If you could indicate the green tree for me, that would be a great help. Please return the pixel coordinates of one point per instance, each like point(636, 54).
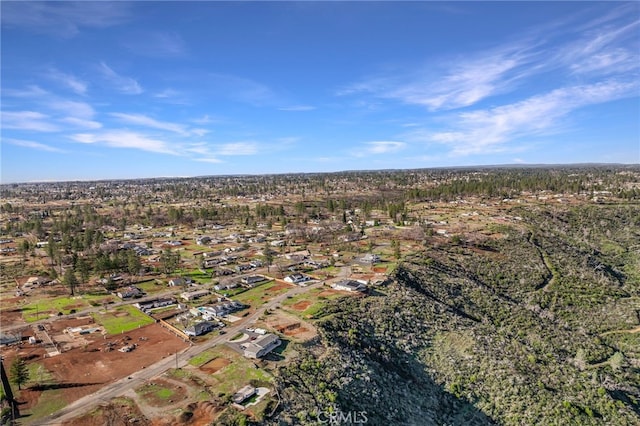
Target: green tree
point(395, 245)
point(133, 263)
point(19, 372)
point(169, 261)
point(70, 280)
point(83, 269)
point(268, 256)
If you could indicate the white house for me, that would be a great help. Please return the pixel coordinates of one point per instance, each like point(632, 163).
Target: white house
point(350, 285)
point(297, 278)
point(192, 295)
point(261, 346)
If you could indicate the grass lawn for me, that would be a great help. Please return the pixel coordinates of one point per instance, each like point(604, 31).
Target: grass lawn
point(41, 308)
point(198, 276)
point(122, 319)
point(49, 402)
point(261, 294)
point(315, 303)
point(155, 390)
point(202, 358)
point(238, 373)
point(152, 286)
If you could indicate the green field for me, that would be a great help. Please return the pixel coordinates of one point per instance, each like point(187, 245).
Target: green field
point(316, 302)
point(122, 319)
point(238, 373)
point(155, 390)
point(202, 358)
point(261, 294)
point(41, 308)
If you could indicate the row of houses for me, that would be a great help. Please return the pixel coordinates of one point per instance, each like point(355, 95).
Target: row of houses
point(150, 305)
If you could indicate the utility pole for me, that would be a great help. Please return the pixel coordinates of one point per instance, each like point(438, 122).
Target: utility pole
point(176, 360)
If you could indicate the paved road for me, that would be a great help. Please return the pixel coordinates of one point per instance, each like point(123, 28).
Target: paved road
point(84, 405)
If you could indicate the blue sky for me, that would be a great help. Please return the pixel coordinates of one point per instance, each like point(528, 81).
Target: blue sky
point(103, 90)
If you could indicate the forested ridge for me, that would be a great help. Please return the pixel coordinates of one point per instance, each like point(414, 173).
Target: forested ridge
point(534, 325)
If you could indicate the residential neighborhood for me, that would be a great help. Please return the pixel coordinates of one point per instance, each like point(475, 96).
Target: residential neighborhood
point(229, 288)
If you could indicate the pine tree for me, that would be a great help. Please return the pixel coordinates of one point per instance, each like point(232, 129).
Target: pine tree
point(70, 280)
point(19, 372)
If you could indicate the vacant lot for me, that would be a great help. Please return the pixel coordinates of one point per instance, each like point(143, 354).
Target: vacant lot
point(309, 304)
point(259, 295)
point(122, 319)
point(62, 379)
point(289, 324)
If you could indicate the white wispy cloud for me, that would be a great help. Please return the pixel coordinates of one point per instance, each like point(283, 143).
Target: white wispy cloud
point(31, 91)
point(33, 145)
point(200, 132)
point(125, 139)
point(143, 120)
point(605, 47)
point(82, 123)
point(166, 93)
point(242, 89)
point(237, 148)
point(28, 120)
point(63, 19)
point(69, 81)
point(495, 129)
point(123, 84)
point(296, 108)
point(460, 83)
point(208, 160)
point(157, 44)
point(378, 147)
point(201, 151)
point(71, 108)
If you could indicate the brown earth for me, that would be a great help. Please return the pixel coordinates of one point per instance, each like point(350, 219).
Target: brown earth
point(215, 365)
point(83, 370)
point(290, 325)
point(278, 287)
point(147, 392)
point(326, 293)
point(301, 305)
point(120, 412)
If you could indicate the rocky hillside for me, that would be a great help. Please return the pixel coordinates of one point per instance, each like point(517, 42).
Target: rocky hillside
point(534, 323)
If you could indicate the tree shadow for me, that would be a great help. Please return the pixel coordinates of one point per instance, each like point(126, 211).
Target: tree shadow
point(52, 386)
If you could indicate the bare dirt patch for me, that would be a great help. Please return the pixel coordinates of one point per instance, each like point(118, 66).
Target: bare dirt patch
point(301, 305)
point(159, 393)
point(279, 286)
point(328, 293)
point(84, 370)
point(119, 412)
point(215, 365)
point(290, 325)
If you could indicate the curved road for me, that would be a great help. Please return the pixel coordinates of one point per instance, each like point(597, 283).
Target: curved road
point(85, 404)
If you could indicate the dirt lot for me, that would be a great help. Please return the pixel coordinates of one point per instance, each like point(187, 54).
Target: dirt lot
point(215, 365)
point(301, 305)
point(290, 325)
point(85, 369)
point(11, 313)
